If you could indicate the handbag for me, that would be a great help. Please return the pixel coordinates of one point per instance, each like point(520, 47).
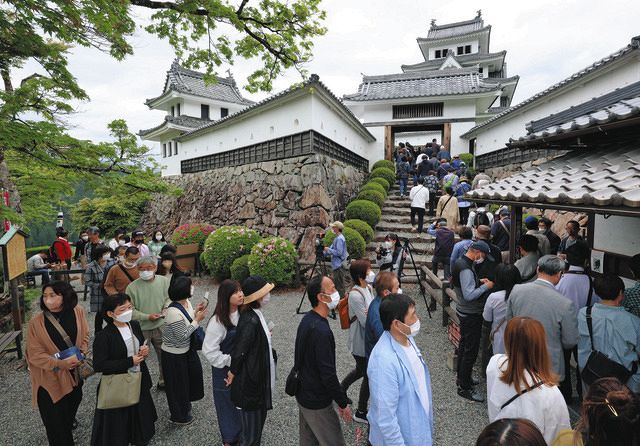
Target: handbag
point(292, 384)
point(600, 365)
point(85, 368)
point(197, 337)
point(120, 390)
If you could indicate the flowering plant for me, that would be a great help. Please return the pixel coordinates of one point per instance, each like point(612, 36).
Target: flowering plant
point(225, 245)
point(191, 233)
point(274, 259)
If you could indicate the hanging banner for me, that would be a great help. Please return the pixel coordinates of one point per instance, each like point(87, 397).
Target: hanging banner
point(5, 197)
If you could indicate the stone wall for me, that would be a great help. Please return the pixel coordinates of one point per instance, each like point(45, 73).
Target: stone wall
point(293, 198)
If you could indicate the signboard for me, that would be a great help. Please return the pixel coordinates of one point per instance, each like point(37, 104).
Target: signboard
point(14, 253)
point(186, 257)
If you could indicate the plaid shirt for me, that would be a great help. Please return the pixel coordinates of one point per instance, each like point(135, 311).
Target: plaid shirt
point(93, 278)
point(632, 300)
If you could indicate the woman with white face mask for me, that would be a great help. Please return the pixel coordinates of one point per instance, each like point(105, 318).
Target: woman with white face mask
point(93, 278)
point(117, 349)
point(156, 243)
point(389, 256)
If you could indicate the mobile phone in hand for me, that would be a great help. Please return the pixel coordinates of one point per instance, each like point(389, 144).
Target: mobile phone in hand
point(206, 300)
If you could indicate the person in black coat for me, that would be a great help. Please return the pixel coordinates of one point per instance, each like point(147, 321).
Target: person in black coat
point(168, 267)
point(115, 352)
point(253, 361)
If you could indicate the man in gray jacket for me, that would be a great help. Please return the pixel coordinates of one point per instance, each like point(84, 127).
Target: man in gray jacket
point(539, 300)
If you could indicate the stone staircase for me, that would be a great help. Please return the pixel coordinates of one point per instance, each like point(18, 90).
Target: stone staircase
point(396, 218)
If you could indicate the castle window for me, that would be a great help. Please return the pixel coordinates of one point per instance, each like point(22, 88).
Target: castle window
point(178, 109)
point(204, 111)
point(173, 111)
point(175, 147)
point(164, 150)
point(460, 50)
point(430, 110)
point(467, 49)
point(438, 54)
point(224, 112)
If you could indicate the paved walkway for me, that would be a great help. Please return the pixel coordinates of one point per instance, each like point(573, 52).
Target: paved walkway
point(457, 421)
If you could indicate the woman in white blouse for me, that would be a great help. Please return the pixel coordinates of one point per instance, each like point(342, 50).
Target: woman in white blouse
point(218, 343)
point(521, 383)
point(495, 308)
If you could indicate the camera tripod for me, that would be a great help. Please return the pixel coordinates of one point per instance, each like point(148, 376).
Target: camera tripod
point(318, 264)
point(406, 247)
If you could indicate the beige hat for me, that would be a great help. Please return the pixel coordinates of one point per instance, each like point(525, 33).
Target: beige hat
point(483, 232)
point(254, 288)
point(337, 224)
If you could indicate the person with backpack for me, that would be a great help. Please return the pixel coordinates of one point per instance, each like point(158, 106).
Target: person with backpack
point(463, 204)
point(445, 239)
point(451, 179)
point(360, 297)
point(60, 250)
point(448, 208)
point(122, 274)
point(480, 217)
point(403, 168)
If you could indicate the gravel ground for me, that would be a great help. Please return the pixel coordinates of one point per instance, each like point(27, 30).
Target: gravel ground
point(457, 421)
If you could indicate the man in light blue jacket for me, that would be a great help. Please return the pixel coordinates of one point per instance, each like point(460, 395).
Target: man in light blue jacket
point(400, 411)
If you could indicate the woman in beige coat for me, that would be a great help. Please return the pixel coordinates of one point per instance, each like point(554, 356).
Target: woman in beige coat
point(448, 208)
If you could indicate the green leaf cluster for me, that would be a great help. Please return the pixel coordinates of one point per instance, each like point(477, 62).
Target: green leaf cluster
point(274, 259)
point(226, 244)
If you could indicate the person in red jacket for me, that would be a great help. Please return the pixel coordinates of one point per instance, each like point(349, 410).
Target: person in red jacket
point(62, 247)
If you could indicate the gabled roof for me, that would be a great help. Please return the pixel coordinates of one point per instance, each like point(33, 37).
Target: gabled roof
point(312, 85)
point(607, 181)
point(191, 82)
point(445, 82)
point(455, 29)
point(465, 60)
point(600, 64)
point(178, 121)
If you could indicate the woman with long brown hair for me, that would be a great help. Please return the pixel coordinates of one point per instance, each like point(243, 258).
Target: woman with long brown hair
point(521, 384)
point(610, 417)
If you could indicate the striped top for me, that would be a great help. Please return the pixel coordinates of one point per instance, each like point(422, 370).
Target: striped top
point(176, 337)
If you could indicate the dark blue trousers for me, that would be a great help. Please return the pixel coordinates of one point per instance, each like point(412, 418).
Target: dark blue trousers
point(229, 416)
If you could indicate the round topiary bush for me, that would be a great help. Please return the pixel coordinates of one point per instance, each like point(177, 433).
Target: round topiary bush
point(356, 246)
point(374, 186)
point(225, 245)
point(373, 196)
point(274, 259)
point(382, 182)
point(383, 172)
point(362, 227)
point(384, 163)
point(467, 158)
point(240, 268)
point(364, 210)
point(191, 233)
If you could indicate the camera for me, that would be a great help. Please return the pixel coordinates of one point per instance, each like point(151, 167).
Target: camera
point(382, 251)
point(319, 244)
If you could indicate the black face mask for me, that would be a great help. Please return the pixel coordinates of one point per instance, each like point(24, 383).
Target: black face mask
point(138, 242)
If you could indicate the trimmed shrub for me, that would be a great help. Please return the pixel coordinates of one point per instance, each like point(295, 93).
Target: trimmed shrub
point(362, 227)
point(373, 196)
point(384, 163)
point(191, 233)
point(467, 158)
point(364, 210)
point(225, 245)
point(240, 268)
point(374, 186)
point(356, 246)
point(383, 172)
point(382, 182)
point(274, 259)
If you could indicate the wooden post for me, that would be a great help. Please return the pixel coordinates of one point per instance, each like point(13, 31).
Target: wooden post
point(388, 142)
point(16, 313)
point(446, 303)
point(446, 136)
point(515, 232)
point(591, 227)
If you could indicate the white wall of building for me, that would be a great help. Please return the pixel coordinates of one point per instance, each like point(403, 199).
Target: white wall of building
point(614, 234)
point(303, 113)
point(513, 125)
point(453, 47)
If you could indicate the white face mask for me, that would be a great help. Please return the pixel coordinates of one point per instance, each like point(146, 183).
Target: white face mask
point(388, 245)
point(128, 264)
point(193, 289)
point(335, 298)
point(85, 238)
point(266, 299)
point(158, 237)
point(414, 328)
point(121, 259)
point(146, 275)
point(371, 277)
point(124, 317)
point(106, 257)
point(479, 261)
point(399, 291)
point(121, 243)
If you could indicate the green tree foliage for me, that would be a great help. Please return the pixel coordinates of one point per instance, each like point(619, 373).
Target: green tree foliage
point(40, 162)
point(275, 260)
point(240, 268)
point(356, 246)
point(226, 244)
point(467, 158)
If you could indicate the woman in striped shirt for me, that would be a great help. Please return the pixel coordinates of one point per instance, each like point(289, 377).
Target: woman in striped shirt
point(180, 362)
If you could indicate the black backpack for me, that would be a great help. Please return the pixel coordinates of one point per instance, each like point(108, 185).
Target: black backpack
point(481, 218)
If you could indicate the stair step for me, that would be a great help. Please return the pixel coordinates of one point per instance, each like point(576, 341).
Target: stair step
point(393, 226)
point(420, 259)
point(418, 248)
point(389, 210)
point(397, 197)
point(404, 233)
point(405, 204)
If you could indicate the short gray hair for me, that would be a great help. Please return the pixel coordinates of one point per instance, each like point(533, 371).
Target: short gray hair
point(550, 265)
point(147, 260)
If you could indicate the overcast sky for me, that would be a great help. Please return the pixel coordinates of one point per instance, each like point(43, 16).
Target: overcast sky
point(546, 41)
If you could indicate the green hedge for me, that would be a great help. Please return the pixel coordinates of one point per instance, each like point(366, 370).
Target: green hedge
point(467, 158)
point(356, 245)
point(384, 163)
point(382, 182)
point(373, 196)
point(240, 268)
point(274, 259)
point(364, 210)
point(382, 172)
point(225, 245)
point(374, 186)
point(362, 227)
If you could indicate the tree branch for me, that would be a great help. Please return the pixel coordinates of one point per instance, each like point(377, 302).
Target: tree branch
point(166, 5)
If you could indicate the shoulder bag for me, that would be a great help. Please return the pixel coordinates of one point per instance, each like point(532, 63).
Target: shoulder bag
point(600, 366)
point(197, 337)
point(85, 368)
point(292, 385)
point(517, 395)
point(122, 389)
point(126, 273)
